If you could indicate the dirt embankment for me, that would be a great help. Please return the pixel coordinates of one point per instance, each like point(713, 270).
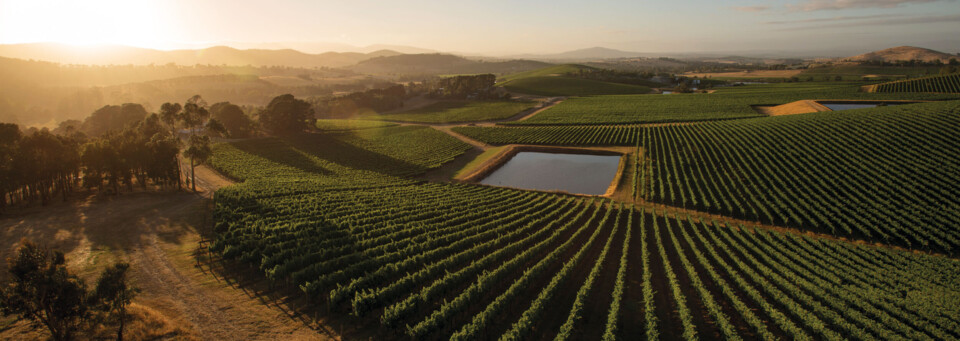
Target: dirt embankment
point(158, 234)
point(792, 108)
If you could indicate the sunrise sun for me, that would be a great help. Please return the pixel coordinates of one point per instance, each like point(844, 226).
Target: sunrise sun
point(96, 22)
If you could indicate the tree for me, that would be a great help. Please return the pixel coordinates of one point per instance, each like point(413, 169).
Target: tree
point(286, 115)
point(43, 291)
point(198, 152)
point(169, 113)
point(215, 128)
point(112, 118)
point(237, 124)
point(194, 113)
point(112, 294)
point(9, 138)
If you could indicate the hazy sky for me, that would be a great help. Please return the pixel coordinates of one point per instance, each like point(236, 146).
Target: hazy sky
point(493, 26)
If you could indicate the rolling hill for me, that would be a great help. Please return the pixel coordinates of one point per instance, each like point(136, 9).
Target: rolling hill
point(559, 80)
point(437, 64)
point(903, 53)
point(587, 54)
point(218, 55)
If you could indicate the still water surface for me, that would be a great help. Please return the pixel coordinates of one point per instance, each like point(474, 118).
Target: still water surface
point(846, 106)
point(573, 173)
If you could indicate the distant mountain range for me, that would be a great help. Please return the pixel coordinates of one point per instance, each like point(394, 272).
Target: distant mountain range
point(219, 55)
point(903, 53)
point(320, 47)
point(586, 54)
point(375, 59)
point(413, 64)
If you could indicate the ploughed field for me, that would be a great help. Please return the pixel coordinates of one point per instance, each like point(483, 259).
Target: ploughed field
point(341, 216)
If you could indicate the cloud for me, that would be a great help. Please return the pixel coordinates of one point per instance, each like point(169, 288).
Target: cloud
point(882, 22)
point(833, 19)
point(759, 8)
point(820, 5)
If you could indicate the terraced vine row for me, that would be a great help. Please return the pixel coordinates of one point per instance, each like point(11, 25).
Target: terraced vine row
point(887, 174)
point(941, 83)
point(435, 261)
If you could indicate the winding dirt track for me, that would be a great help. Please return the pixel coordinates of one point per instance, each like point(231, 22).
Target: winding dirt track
point(158, 234)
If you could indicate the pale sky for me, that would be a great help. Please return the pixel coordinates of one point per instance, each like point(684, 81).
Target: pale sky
point(493, 27)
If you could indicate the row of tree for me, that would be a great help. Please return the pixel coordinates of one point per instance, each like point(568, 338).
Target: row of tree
point(460, 87)
point(377, 100)
point(121, 145)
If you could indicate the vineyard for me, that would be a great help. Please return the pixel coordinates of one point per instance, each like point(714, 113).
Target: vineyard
point(562, 80)
point(887, 174)
point(361, 159)
point(344, 124)
point(407, 259)
point(570, 86)
point(459, 111)
point(940, 84)
point(339, 217)
point(725, 103)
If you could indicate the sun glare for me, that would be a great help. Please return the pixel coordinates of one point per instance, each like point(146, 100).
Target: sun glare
point(97, 22)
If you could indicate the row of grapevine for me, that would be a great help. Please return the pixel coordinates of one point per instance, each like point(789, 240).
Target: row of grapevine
point(940, 83)
point(888, 174)
point(727, 103)
point(438, 261)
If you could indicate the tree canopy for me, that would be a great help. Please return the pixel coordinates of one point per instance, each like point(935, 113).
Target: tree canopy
point(231, 116)
point(286, 115)
point(112, 118)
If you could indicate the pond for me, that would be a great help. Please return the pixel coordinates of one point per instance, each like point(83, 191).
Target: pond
point(847, 106)
point(665, 92)
point(572, 173)
point(837, 106)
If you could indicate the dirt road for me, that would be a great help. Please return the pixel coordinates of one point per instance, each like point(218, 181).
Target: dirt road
point(158, 234)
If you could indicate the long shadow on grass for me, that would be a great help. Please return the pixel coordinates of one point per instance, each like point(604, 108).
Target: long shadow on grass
point(281, 155)
point(327, 147)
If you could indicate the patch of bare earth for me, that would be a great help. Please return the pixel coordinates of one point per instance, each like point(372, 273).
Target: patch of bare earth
point(158, 233)
point(792, 108)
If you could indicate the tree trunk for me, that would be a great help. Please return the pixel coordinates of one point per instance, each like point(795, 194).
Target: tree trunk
point(63, 188)
point(179, 176)
point(120, 328)
point(193, 175)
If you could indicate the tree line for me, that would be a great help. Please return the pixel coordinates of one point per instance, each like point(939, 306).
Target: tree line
point(391, 96)
point(119, 147)
point(378, 100)
point(113, 149)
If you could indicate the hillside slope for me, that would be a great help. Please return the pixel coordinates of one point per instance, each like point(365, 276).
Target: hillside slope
point(218, 55)
point(436, 64)
point(940, 84)
point(903, 53)
point(562, 80)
